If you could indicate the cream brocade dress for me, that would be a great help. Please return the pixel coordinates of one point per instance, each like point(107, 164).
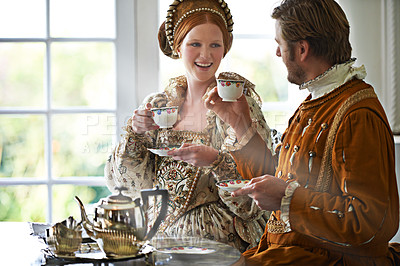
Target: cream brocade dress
point(197, 207)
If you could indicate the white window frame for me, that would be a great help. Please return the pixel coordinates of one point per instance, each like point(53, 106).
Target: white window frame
point(132, 24)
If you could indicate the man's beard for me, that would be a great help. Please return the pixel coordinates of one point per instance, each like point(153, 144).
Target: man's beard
point(296, 74)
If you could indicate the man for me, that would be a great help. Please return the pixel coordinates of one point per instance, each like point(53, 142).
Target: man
point(331, 184)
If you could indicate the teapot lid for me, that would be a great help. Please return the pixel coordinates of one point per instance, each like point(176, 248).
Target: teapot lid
point(119, 199)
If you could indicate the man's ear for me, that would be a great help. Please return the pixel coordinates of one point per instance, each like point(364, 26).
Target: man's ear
point(304, 49)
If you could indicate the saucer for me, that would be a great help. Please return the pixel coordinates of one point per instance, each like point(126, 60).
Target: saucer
point(162, 151)
point(232, 185)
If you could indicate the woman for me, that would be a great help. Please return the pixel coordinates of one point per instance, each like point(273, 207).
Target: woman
point(199, 33)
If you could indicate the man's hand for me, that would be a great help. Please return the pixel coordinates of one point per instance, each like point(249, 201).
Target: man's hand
point(267, 192)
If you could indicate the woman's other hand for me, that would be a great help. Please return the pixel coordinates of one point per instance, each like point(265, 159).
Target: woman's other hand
point(236, 114)
point(195, 154)
point(142, 120)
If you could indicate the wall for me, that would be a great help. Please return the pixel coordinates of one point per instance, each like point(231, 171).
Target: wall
point(396, 238)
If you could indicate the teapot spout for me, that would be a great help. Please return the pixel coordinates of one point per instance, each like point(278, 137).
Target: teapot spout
point(85, 221)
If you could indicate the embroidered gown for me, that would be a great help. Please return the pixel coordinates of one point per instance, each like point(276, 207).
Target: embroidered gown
point(196, 205)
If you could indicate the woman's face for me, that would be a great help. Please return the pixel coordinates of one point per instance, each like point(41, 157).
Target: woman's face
point(202, 51)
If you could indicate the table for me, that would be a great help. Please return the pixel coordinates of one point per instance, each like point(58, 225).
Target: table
point(19, 247)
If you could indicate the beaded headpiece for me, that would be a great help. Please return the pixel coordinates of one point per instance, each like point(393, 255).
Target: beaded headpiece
point(181, 9)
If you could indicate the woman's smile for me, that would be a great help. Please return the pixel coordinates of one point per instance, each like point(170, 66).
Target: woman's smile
point(203, 65)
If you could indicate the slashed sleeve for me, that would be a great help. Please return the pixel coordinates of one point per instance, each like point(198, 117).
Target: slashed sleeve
point(362, 205)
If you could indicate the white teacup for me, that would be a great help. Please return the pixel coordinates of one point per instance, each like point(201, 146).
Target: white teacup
point(230, 90)
point(165, 117)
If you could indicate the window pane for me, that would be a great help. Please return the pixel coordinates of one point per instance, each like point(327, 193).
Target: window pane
point(277, 119)
point(169, 68)
point(21, 74)
point(261, 66)
point(81, 143)
point(23, 18)
point(83, 75)
point(82, 18)
point(23, 203)
point(22, 146)
point(252, 17)
point(64, 204)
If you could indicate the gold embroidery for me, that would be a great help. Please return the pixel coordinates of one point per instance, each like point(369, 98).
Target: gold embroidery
point(180, 211)
point(276, 227)
point(325, 173)
point(175, 137)
point(178, 177)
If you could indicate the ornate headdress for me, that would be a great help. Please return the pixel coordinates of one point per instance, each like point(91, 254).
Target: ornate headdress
point(181, 9)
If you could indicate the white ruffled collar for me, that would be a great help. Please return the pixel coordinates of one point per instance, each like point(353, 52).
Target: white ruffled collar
point(333, 78)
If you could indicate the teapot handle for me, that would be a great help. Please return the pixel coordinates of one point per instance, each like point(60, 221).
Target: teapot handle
point(164, 207)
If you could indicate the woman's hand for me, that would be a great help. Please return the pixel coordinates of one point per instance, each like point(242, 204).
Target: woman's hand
point(142, 120)
point(267, 191)
point(195, 154)
point(236, 114)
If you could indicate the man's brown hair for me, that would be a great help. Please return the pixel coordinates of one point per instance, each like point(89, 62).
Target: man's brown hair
point(322, 23)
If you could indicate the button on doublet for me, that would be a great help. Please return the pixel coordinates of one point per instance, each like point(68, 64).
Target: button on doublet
point(305, 128)
point(312, 154)
point(295, 150)
point(324, 126)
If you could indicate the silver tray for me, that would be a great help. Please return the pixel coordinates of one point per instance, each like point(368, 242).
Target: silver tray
point(90, 252)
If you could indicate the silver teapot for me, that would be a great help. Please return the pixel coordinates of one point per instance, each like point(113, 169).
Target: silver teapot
point(119, 226)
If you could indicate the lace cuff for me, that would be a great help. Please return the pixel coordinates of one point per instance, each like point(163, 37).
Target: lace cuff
point(285, 204)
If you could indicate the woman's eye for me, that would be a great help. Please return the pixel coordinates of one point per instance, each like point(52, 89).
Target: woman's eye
point(196, 44)
point(215, 45)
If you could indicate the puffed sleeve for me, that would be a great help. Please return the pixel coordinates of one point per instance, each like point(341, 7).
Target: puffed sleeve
point(130, 164)
point(250, 220)
point(256, 157)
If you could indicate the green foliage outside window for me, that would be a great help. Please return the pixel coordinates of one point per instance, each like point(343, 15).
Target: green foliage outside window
point(81, 143)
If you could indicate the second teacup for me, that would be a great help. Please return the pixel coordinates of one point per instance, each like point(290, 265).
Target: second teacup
point(165, 117)
point(230, 90)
